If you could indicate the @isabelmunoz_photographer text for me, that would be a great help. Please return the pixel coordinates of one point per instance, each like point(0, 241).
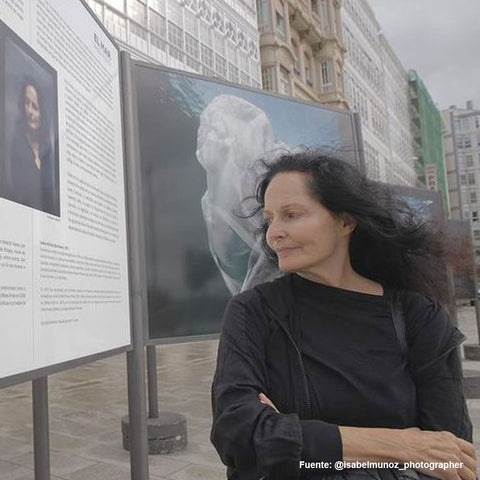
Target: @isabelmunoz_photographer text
point(341, 465)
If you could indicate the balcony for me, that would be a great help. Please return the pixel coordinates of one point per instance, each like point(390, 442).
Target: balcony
point(300, 18)
point(312, 35)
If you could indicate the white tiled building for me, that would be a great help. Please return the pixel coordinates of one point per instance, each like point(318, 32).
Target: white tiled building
point(400, 169)
point(376, 86)
point(461, 142)
point(216, 38)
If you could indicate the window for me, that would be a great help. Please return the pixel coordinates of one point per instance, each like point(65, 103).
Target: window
point(158, 5)
point(233, 73)
point(476, 234)
point(471, 178)
point(192, 49)
point(115, 23)
point(469, 161)
point(323, 13)
point(231, 52)
point(208, 72)
point(221, 64)
point(174, 11)
point(219, 44)
point(158, 42)
point(327, 76)
point(118, 4)
point(467, 143)
point(473, 197)
point(280, 22)
point(465, 124)
point(97, 8)
point(175, 38)
point(268, 78)
point(474, 216)
point(158, 24)
point(138, 31)
point(308, 70)
point(284, 81)
point(205, 35)
point(207, 56)
point(296, 61)
point(137, 11)
point(190, 23)
point(477, 122)
point(244, 78)
point(463, 179)
point(243, 61)
point(263, 9)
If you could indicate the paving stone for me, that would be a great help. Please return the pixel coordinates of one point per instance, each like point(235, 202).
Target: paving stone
point(60, 465)
point(10, 448)
point(163, 465)
point(101, 471)
point(199, 472)
point(12, 471)
point(112, 454)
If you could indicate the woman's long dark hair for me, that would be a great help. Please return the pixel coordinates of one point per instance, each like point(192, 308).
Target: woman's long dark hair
point(391, 244)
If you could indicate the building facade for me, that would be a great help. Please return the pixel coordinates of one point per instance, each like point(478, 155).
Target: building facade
point(376, 86)
point(427, 130)
point(462, 154)
point(301, 49)
point(215, 38)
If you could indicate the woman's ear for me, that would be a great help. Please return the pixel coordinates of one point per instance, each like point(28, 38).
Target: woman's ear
point(348, 222)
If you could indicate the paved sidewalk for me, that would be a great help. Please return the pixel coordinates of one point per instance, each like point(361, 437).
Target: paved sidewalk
point(87, 403)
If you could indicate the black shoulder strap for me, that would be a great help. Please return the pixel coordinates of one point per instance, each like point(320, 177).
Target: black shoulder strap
point(398, 320)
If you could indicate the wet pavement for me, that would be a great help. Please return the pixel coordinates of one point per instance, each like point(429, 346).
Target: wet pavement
point(87, 403)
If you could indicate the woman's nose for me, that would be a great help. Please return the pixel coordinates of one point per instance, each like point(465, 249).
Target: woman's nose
point(275, 230)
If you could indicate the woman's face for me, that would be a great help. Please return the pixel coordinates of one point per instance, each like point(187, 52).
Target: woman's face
point(32, 108)
point(302, 232)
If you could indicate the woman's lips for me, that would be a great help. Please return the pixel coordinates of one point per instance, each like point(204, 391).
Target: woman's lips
point(285, 251)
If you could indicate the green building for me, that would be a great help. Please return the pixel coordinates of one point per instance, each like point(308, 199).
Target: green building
point(427, 128)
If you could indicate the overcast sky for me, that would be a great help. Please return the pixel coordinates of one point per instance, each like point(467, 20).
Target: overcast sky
point(440, 39)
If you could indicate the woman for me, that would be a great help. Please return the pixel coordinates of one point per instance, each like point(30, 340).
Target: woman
point(310, 366)
point(32, 169)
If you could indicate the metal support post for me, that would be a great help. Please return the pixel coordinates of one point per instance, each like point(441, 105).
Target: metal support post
point(152, 381)
point(136, 424)
point(41, 443)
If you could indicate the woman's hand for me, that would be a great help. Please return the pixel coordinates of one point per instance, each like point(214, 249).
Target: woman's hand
point(411, 445)
point(266, 401)
point(441, 447)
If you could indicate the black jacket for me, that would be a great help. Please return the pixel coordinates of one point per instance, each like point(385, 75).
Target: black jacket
point(258, 353)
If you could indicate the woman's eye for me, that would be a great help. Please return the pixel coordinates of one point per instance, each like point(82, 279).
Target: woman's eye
point(291, 215)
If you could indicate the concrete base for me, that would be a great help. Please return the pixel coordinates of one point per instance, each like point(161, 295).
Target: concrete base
point(471, 384)
point(471, 351)
point(166, 434)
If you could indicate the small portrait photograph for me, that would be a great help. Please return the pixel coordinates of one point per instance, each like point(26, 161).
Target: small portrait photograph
point(29, 161)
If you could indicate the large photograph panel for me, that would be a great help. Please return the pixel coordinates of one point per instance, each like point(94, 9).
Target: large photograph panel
point(200, 143)
point(29, 167)
point(64, 281)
